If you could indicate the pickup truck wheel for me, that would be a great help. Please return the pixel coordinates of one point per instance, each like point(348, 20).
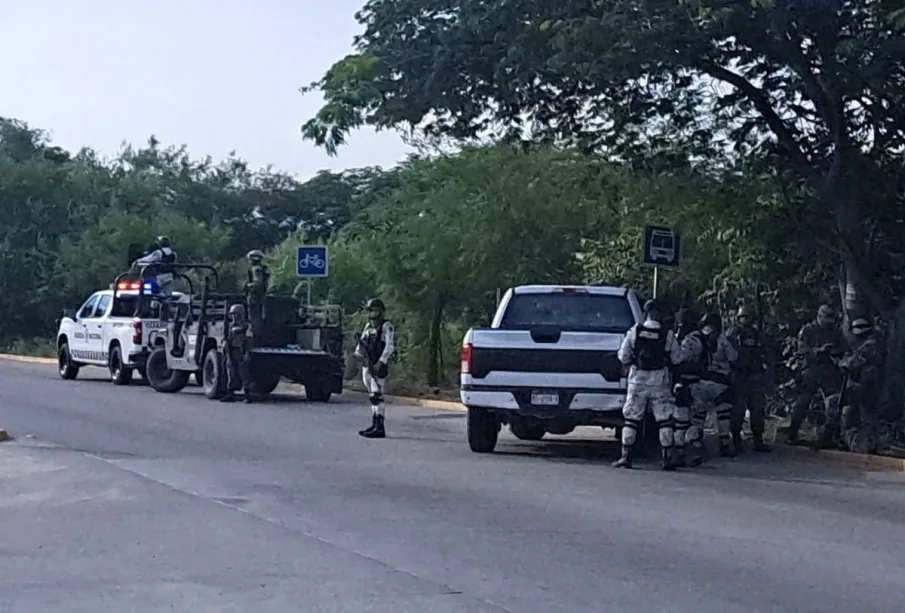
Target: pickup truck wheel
point(214, 375)
point(527, 431)
point(119, 374)
point(483, 430)
point(317, 393)
point(161, 377)
point(264, 383)
point(67, 368)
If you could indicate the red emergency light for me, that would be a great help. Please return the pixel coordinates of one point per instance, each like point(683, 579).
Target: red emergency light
point(128, 285)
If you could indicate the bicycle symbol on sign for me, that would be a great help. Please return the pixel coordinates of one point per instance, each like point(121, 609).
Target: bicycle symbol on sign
point(312, 259)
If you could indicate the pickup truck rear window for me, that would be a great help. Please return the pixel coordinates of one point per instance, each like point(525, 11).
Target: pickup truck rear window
point(570, 312)
point(124, 306)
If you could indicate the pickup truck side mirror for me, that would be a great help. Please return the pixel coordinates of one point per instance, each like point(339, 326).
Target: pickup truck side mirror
point(70, 313)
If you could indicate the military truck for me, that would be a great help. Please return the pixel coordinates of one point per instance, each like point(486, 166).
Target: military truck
point(300, 343)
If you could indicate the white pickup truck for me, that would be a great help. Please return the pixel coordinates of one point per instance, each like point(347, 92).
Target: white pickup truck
point(548, 363)
point(105, 331)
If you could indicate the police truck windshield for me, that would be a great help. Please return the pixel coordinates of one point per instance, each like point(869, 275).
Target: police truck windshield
point(570, 312)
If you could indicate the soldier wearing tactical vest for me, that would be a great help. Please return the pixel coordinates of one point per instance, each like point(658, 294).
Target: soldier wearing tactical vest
point(375, 348)
point(685, 375)
point(161, 254)
point(749, 382)
point(237, 353)
point(650, 349)
point(256, 288)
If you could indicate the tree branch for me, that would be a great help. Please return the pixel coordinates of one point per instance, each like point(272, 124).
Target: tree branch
point(779, 128)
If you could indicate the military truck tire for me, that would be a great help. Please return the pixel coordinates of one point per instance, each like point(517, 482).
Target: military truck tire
point(317, 393)
point(214, 377)
point(527, 431)
point(264, 383)
point(68, 369)
point(161, 378)
point(483, 430)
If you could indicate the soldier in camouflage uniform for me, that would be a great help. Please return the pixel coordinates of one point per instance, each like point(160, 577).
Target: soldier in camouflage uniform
point(748, 383)
point(860, 419)
point(820, 342)
point(237, 353)
point(256, 287)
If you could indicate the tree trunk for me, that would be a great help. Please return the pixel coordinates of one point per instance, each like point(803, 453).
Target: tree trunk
point(433, 344)
point(892, 396)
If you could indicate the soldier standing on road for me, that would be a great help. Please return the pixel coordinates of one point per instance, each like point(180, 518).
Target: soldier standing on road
point(864, 366)
point(239, 342)
point(713, 390)
point(375, 348)
point(685, 375)
point(256, 288)
point(651, 349)
point(748, 385)
point(819, 343)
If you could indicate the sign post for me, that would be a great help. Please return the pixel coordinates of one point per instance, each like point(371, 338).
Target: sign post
point(311, 263)
point(661, 249)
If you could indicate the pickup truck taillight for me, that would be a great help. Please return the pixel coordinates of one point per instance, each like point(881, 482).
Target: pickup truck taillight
point(136, 332)
point(466, 358)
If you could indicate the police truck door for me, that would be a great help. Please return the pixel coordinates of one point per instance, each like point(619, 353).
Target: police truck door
point(96, 348)
point(78, 345)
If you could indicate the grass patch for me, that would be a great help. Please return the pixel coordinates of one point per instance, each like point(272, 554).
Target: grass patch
point(35, 348)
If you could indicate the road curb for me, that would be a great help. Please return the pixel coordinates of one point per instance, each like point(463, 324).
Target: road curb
point(27, 358)
point(4, 436)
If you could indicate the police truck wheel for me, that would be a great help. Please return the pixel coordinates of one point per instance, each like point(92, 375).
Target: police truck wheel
point(214, 376)
point(119, 374)
point(67, 369)
point(483, 430)
point(527, 431)
point(161, 377)
point(264, 383)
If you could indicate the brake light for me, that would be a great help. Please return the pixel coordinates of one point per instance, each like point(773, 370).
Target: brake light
point(128, 285)
point(136, 332)
point(466, 358)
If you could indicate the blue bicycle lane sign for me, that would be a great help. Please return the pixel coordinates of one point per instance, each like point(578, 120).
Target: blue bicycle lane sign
point(311, 261)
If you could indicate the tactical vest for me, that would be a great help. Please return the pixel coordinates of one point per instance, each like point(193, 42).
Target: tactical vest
point(749, 358)
point(690, 371)
point(266, 273)
point(650, 348)
point(373, 343)
point(710, 346)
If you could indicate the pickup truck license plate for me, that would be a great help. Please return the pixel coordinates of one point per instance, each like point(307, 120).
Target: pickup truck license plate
point(540, 398)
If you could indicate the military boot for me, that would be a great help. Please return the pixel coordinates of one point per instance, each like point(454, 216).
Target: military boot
point(759, 444)
point(378, 430)
point(678, 456)
point(726, 449)
point(697, 454)
point(667, 459)
point(737, 442)
point(370, 428)
point(626, 460)
point(228, 397)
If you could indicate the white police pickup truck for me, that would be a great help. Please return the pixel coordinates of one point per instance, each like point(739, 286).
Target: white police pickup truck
point(548, 363)
point(105, 331)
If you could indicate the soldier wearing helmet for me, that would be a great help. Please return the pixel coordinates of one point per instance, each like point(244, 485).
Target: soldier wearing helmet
point(162, 254)
point(860, 419)
point(748, 384)
point(712, 392)
point(820, 343)
point(256, 287)
point(375, 348)
point(237, 352)
point(686, 374)
point(650, 349)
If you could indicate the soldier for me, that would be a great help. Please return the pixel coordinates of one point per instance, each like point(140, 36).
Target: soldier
point(712, 391)
point(375, 348)
point(237, 352)
point(748, 384)
point(650, 349)
point(256, 287)
point(864, 367)
point(160, 253)
point(686, 374)
point(820, 342)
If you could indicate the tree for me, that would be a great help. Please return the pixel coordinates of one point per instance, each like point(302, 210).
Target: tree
point(815, 86)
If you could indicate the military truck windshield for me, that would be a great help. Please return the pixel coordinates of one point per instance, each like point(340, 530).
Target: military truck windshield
point(571, 312)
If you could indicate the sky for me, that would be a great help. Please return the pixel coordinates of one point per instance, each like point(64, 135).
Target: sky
point(215, 75)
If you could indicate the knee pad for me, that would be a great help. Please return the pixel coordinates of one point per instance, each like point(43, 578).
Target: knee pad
point(376, 398)
point(666, 423)
point(632, 424)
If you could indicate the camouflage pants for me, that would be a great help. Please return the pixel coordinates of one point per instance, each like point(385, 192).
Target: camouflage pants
point(814, 378)
point(237, 371)
point(748, 395)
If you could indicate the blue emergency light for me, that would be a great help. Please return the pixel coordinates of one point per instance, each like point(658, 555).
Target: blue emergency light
point(150, 287)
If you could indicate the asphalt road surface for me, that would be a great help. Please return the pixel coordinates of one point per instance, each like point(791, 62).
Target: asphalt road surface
point(122, 499)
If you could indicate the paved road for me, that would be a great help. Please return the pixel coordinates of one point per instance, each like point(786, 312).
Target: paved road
point(121, 499)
